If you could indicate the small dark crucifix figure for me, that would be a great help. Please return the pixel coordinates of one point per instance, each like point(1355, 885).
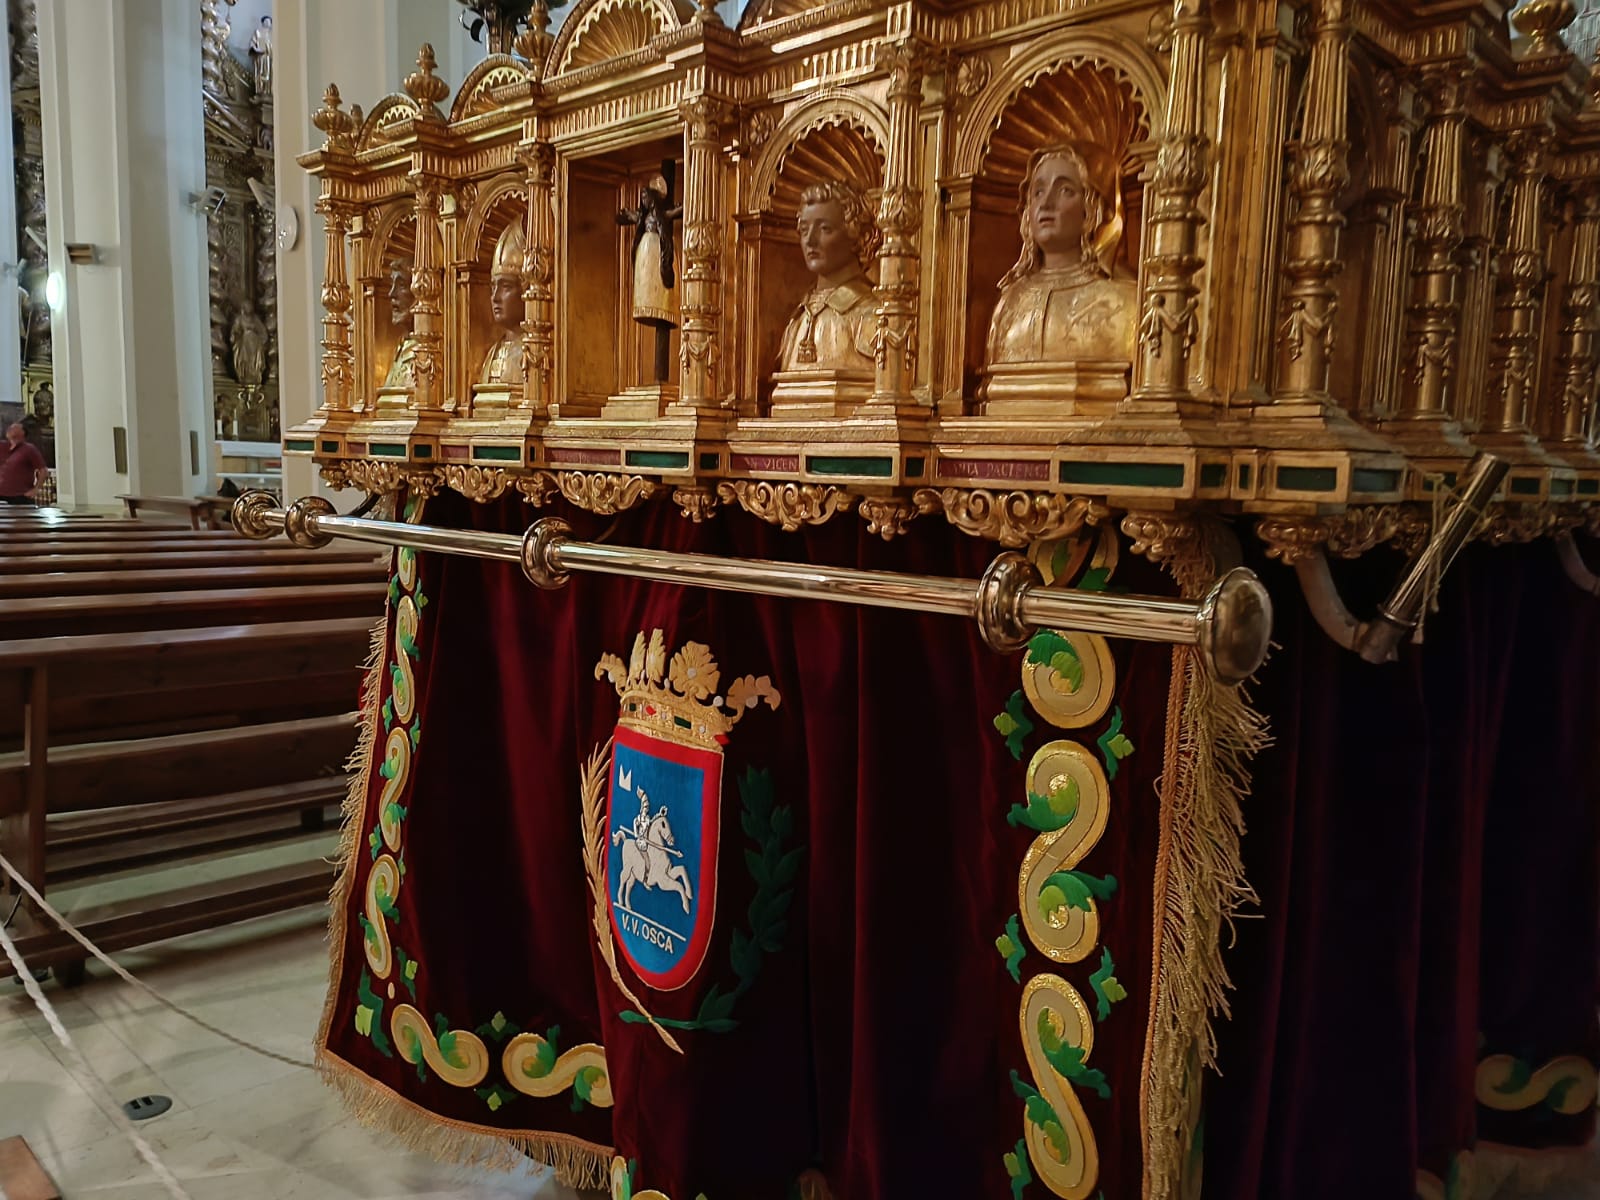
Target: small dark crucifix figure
point(655, 285)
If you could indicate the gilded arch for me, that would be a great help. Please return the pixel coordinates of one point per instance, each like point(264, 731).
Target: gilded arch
point(828, 108)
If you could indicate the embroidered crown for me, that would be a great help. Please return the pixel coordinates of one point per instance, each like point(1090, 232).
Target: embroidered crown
point(678, 700)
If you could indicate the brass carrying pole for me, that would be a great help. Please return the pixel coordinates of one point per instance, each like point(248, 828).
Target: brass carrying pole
point(1230, 625)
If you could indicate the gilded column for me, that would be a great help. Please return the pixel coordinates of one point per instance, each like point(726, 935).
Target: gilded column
point(1575, 382)
point(700, 353)
point(1519, 300)
point(899, 218)
point(338, 363)
point(538, 277)
point(1321, 171)
point(1441, 228)
point(427, 285)
point(1167, 323)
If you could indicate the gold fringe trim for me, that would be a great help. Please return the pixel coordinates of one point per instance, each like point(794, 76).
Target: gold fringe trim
point(578, 1164)
point(1212, 735)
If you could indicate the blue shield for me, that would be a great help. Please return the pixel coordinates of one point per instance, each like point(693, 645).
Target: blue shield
point(661, 860)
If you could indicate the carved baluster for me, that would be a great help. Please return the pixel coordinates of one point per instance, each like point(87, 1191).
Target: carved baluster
point(1519, 298)
point(1441, 228)
point(338, 366)
point(899, 217)
point(700, 353)
point(427, 286)
point(538, 277)
point(1576, 381)
point(1320, 173)
point(1167, 320)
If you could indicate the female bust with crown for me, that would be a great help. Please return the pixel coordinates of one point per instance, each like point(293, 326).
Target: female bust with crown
point(1060, 305)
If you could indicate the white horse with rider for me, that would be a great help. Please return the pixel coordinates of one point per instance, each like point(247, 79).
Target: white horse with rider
point(647, 853)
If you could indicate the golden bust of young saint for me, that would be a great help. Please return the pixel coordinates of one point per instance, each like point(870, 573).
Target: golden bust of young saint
point(1060, 303)
point(833, 325)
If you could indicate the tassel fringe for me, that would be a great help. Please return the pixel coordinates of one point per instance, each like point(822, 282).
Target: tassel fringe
point(1212, 735)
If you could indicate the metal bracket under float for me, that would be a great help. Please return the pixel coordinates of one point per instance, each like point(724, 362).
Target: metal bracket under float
point(1230, 625)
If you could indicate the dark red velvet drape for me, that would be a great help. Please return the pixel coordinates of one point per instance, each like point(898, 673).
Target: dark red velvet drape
point(877, 1040)
point(1422, 838)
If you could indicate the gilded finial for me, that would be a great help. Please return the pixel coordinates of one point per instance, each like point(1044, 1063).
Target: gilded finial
point(1542, 22)
point(336, 124)
point(422, 85)
point(707, 14)
point(533, 43)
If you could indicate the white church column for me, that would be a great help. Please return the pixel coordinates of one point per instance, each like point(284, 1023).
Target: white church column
point(124, 151)
point(10, 309)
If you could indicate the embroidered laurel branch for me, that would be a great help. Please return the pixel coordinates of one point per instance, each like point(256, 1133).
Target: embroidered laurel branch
point(595, 774)
point(773, 868)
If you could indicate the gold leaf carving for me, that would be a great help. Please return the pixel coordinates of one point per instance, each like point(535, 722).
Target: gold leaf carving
point(1013, 519)
point(603, 493)
point(1292, 539)
point(479, 484)
point(696, 503)
point(887, 516)
point(787, 505)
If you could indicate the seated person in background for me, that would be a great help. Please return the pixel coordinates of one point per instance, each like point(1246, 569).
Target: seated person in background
point(22, 468)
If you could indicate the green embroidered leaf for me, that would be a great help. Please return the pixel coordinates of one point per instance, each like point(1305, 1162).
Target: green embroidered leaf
point(1557, 1095)
point(787, 867)
point(1045, 645)
point(583, 1084)
point(1521, 1074)
point(494, 1096)
point(1046, 814)
point(1114, 744)
point(1070, 668)
point(1060, 557)
point(374, 843)
point(782, 822)
point(1074, 889)
point(1011, 948)
point(406, 643)
point(386, 906)
point(388, 713)
point(374, 1022)
point(408, 971)
point(1107, 991)
point(1095, 579)
point(1067, 1061)
point(364, 1021)
point(1042, 1114)
point(368, 930)
point(422, 601)
point(745, 955)
point(1017, 1168)
point(1014, 725)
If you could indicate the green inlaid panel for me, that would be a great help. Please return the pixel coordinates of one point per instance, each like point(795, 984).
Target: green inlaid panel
point(1214, 475)
point(497, 453)
point(1369, 479)
point(297, 444)
point(1308, 479)
point(388, 449)
point(661, 460)
point(877, 468)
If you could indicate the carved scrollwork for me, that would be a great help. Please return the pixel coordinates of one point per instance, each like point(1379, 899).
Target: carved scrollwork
point(1014, 519)
point(887, 516)
point(602, 493)
point(381, 478)
point(1176, 541)
point(787, 505)
point(1508, 524)
point(696, 503)
point(537, 489)
point(478, 484)
point(1355, 531)
point(1292, 539)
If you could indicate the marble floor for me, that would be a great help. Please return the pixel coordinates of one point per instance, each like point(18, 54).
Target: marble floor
point(241, 1127)
point(244, 1127)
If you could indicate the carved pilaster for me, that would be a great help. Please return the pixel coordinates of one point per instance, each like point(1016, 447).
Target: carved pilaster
point(1167, 324)
point(1575, 378)
point(1519, 298)
point(1320, 172)
point(538, 277)
point(899, 217)
point(701, 353)
point(1435, 311)
point(427, 286)
point(338, 362)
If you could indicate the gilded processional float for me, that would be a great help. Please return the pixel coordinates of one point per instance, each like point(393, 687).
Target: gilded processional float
point(888, 293)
